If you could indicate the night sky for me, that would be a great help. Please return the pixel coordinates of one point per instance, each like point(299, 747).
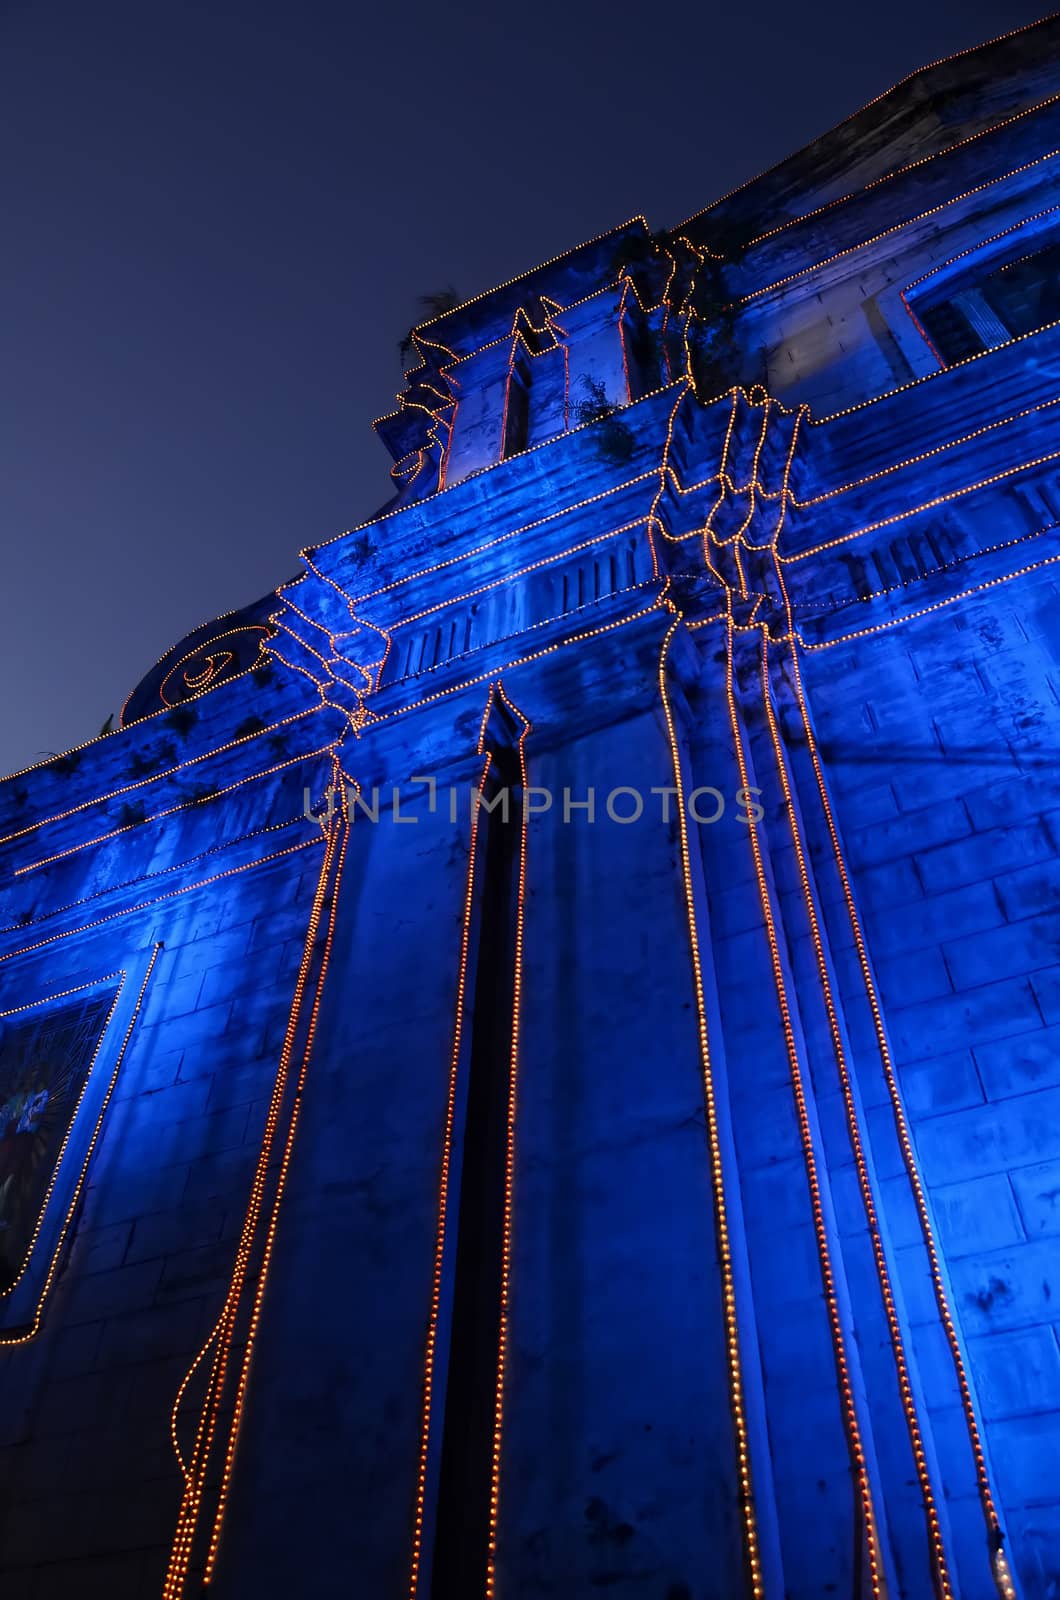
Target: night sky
point(217, 220)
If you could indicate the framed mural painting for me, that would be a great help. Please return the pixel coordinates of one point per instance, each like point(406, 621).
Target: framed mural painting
point(60, 1057)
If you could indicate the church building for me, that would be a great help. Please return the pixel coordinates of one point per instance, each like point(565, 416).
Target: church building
point(530, 1058)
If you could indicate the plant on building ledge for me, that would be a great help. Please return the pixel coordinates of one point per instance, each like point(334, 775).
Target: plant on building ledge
point(432, 305)
point(362, 548)
point(66, 764)
point(199, 793)
point(145, 766)
point(712, 344)
point(182, 719)
point(692, 280)
point(612, 436)
point(641, 250)
point(714, 359)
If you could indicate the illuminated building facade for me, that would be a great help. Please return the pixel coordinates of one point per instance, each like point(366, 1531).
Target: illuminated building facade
point(530, 1062)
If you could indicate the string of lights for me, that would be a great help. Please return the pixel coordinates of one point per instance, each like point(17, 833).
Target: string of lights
point(999, 1562)
point(104, 796)
point(929, 454)
point(509, 1160)
point(942, 1581)
point(907, 166)
point(115, 886)
point(972, 250)
point(490, 544)
point(200, 681)
point(520, 277)
point(518, 572)
point(885, 233)
point(943, 1586)
point(927, 505)
point(834, 604)
point(851, 1421)
point(921, 72)
point(343, 830)
point(757, 488)
point(169, 811)
point(726, 1265)
point(735, 562)
point(443, 1181)
point(533, 655)
point(929, 377)
point(923, 611)
point(833, 416)
point(221, 1338)
point(158, 899)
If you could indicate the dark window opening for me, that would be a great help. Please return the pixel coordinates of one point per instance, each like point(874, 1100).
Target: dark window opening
point(993, 307)
point(461, 1547)
point(517, 410)
point(645, 358)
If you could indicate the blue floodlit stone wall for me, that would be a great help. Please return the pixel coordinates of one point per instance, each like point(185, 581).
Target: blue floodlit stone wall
point(700, 1121)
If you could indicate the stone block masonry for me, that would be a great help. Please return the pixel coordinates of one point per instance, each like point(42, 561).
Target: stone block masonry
point(422, 1179)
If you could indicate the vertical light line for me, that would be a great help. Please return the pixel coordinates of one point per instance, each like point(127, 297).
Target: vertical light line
point(509, 1166)
point(622, 341)
point(443, 1184)
point(664, 471)
point(717, 1177)
point(187, 1519)
point(999, 1562)
point(343, 827)
point(508, 395)
point(852, 1426)
point(919, 326)
point(938, 1549)
point(443, 465)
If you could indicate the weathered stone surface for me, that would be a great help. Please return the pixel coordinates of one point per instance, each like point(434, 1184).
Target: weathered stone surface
point(573, 1194)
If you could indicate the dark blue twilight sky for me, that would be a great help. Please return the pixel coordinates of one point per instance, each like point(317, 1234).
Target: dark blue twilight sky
point(216, 220)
